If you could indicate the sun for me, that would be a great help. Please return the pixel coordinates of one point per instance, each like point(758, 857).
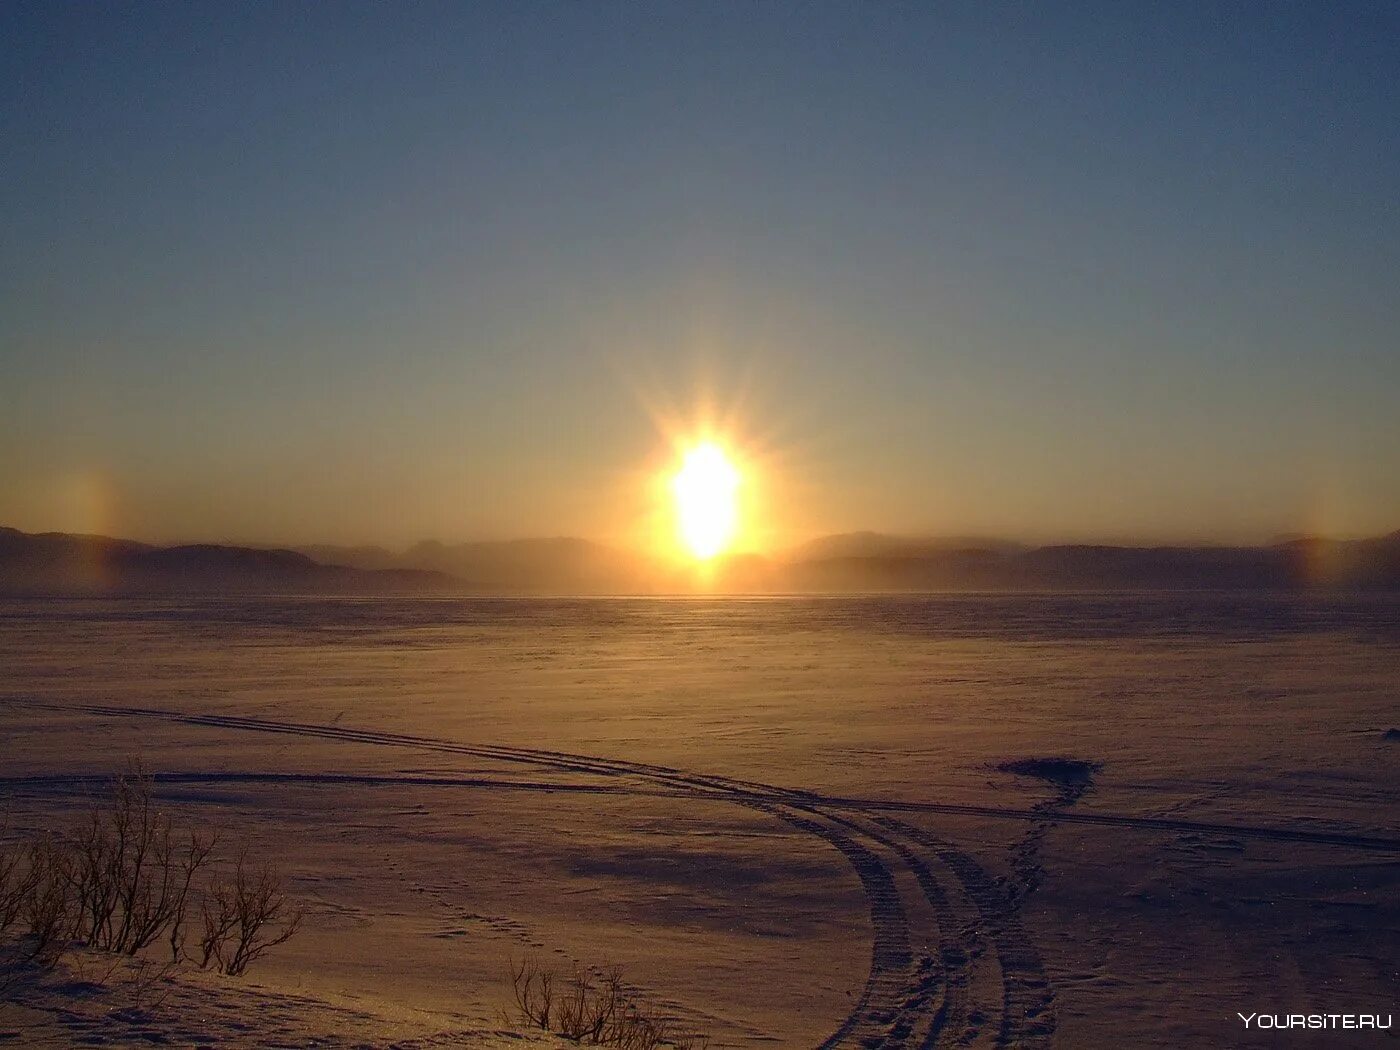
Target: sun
point(706, 489)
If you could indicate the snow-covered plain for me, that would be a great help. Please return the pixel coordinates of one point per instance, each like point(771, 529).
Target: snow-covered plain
point(782, 819)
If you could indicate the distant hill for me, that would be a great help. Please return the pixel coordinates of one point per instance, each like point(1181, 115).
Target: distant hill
point(1296, 564)
point(881, 545)
point(58, 563)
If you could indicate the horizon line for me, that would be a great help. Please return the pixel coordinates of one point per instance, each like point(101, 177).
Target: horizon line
point(952, 539)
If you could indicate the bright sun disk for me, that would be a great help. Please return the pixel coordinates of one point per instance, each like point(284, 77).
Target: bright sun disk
point(705, 488)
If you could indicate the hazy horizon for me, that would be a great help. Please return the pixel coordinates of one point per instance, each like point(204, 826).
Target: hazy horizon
point(797, 545)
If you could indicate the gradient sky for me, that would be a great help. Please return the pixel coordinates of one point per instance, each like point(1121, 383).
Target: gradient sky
point(380, 272)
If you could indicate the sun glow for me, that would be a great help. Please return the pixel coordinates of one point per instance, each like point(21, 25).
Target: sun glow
point(707, 509)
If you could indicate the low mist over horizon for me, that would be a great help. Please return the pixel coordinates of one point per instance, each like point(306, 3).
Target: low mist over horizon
point(867, 539)
point(59, 564)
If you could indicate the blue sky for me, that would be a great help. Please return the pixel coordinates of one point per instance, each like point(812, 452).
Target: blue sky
point(368, 272)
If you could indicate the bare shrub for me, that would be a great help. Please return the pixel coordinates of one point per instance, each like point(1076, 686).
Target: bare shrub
point(49, 906)
point(219, 916)
point(533, 987)
point(92, 871)
point(590, 1008)
point(125, 878)
point(131, 872)
point(16, 885)
point(161, 905)
point(244, 918)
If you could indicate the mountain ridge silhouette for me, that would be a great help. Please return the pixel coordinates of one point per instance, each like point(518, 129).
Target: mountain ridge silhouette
point(56, 563)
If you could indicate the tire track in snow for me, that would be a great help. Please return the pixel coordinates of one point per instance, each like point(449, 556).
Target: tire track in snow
point(883, 1015)
point(722, 785)
point(902, 997)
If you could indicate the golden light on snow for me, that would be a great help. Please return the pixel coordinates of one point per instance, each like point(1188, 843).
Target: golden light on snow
point(706, 493)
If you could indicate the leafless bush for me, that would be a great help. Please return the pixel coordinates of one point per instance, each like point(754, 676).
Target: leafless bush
point(124, 878)
point(48, 906)
point(533, 988)
point(16, 885)
point(131, 873)
point(244, 917)
point(590, 1008)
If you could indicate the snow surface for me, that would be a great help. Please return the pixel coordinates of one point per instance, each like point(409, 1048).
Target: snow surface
point(782, 819)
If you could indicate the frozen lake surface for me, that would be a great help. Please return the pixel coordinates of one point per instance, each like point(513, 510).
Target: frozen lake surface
point(784, 819)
